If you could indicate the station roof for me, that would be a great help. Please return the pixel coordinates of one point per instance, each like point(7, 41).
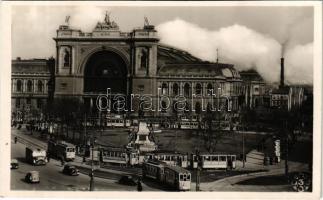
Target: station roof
point(173, 61)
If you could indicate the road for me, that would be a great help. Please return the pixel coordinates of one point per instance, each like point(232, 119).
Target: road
point(51, 177)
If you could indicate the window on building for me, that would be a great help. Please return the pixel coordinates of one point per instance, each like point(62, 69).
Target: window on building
point(143, 59)
point(164, 89)
point(175, 89)
point(17, 103)
point(29, 86)
point(209, 89)
point(19, 85)
point(163, 107)
point(198, 89)
point(187, 91)
point(40, 86)
point(39, 103)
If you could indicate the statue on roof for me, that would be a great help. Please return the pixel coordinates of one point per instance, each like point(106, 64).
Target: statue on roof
point(107, 24)
point(107, 17)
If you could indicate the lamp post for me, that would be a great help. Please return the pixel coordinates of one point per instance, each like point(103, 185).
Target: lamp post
point(92, 170)
point(243, 151)
point(286, 151)
point(197, 170)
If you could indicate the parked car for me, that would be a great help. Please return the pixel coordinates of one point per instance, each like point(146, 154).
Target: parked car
point(14, 164)
point(32, 177)
point(127, 180)
point(70, 170)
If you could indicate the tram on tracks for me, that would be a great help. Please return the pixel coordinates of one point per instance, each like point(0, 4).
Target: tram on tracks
point(61, 149)
point(170, 158)
point(174, 176)
point(213, 161)
point(119, 156)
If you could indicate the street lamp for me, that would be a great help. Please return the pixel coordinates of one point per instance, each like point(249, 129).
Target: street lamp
point(197, 153)
point(92, 170)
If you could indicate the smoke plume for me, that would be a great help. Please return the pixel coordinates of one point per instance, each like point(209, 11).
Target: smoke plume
point(243, 47)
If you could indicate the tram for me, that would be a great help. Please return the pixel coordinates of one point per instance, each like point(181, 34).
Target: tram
point(174, 176)
point(214, 161)
point(61, 149)
point(119, 156)
point(170, 158)
point(177, 177)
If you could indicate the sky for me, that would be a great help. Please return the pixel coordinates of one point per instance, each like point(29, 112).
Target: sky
point(250, 37)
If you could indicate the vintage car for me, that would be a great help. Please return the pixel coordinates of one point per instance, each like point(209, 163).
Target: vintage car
point(127, 180)
point(32, 177)
point(70, 170)
point(14, 164)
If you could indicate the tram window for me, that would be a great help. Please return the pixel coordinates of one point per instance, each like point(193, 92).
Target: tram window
point(215, 158)
point(207, 158)
point(181, 177)
point(188, 177)
point(167, 158)
point(195, 158)
point(233, 158)
point(223, 158)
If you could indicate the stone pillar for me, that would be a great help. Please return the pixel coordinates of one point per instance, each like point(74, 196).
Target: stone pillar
point(14, 82)
point(181, 88)
point(45, 90)
point(35, 83)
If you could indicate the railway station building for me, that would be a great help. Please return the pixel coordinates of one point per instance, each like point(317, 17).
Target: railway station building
point(129, 63)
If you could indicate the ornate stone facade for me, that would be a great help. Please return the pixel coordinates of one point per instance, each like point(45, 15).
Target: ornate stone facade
point(31, 87)
point(135, 63)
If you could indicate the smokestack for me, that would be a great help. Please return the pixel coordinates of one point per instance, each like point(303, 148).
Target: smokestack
point(281, 72)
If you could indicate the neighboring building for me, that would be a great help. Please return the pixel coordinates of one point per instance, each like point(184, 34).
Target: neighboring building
point(135, 63)
point(279, 98)
point(30, 86)
point(288, 96)
point(254, 89)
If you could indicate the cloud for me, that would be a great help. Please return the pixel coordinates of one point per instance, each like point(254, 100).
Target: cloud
point(299, 64)
point(239, 45)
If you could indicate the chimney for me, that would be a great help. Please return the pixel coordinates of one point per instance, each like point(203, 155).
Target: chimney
point(281, 72)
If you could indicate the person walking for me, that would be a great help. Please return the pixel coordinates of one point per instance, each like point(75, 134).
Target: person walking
point(48, 157)
point(16, 139)
point(139, 186)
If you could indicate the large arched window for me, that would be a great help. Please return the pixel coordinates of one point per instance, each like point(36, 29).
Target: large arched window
point(175, 89)
point(198, 89)
point(187, 91)
point(40, 86)
point(164, 89)
point(209, 89)
point(19, 85)
point(29, 86)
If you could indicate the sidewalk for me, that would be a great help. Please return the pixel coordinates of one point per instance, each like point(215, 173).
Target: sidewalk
point(228, 184)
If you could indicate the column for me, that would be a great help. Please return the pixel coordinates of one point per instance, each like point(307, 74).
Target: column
point(45, 90)
point(35, 85)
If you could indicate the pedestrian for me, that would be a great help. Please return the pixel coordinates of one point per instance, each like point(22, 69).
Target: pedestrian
point(139, 186)
point(16, 139)
point(83, 161)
